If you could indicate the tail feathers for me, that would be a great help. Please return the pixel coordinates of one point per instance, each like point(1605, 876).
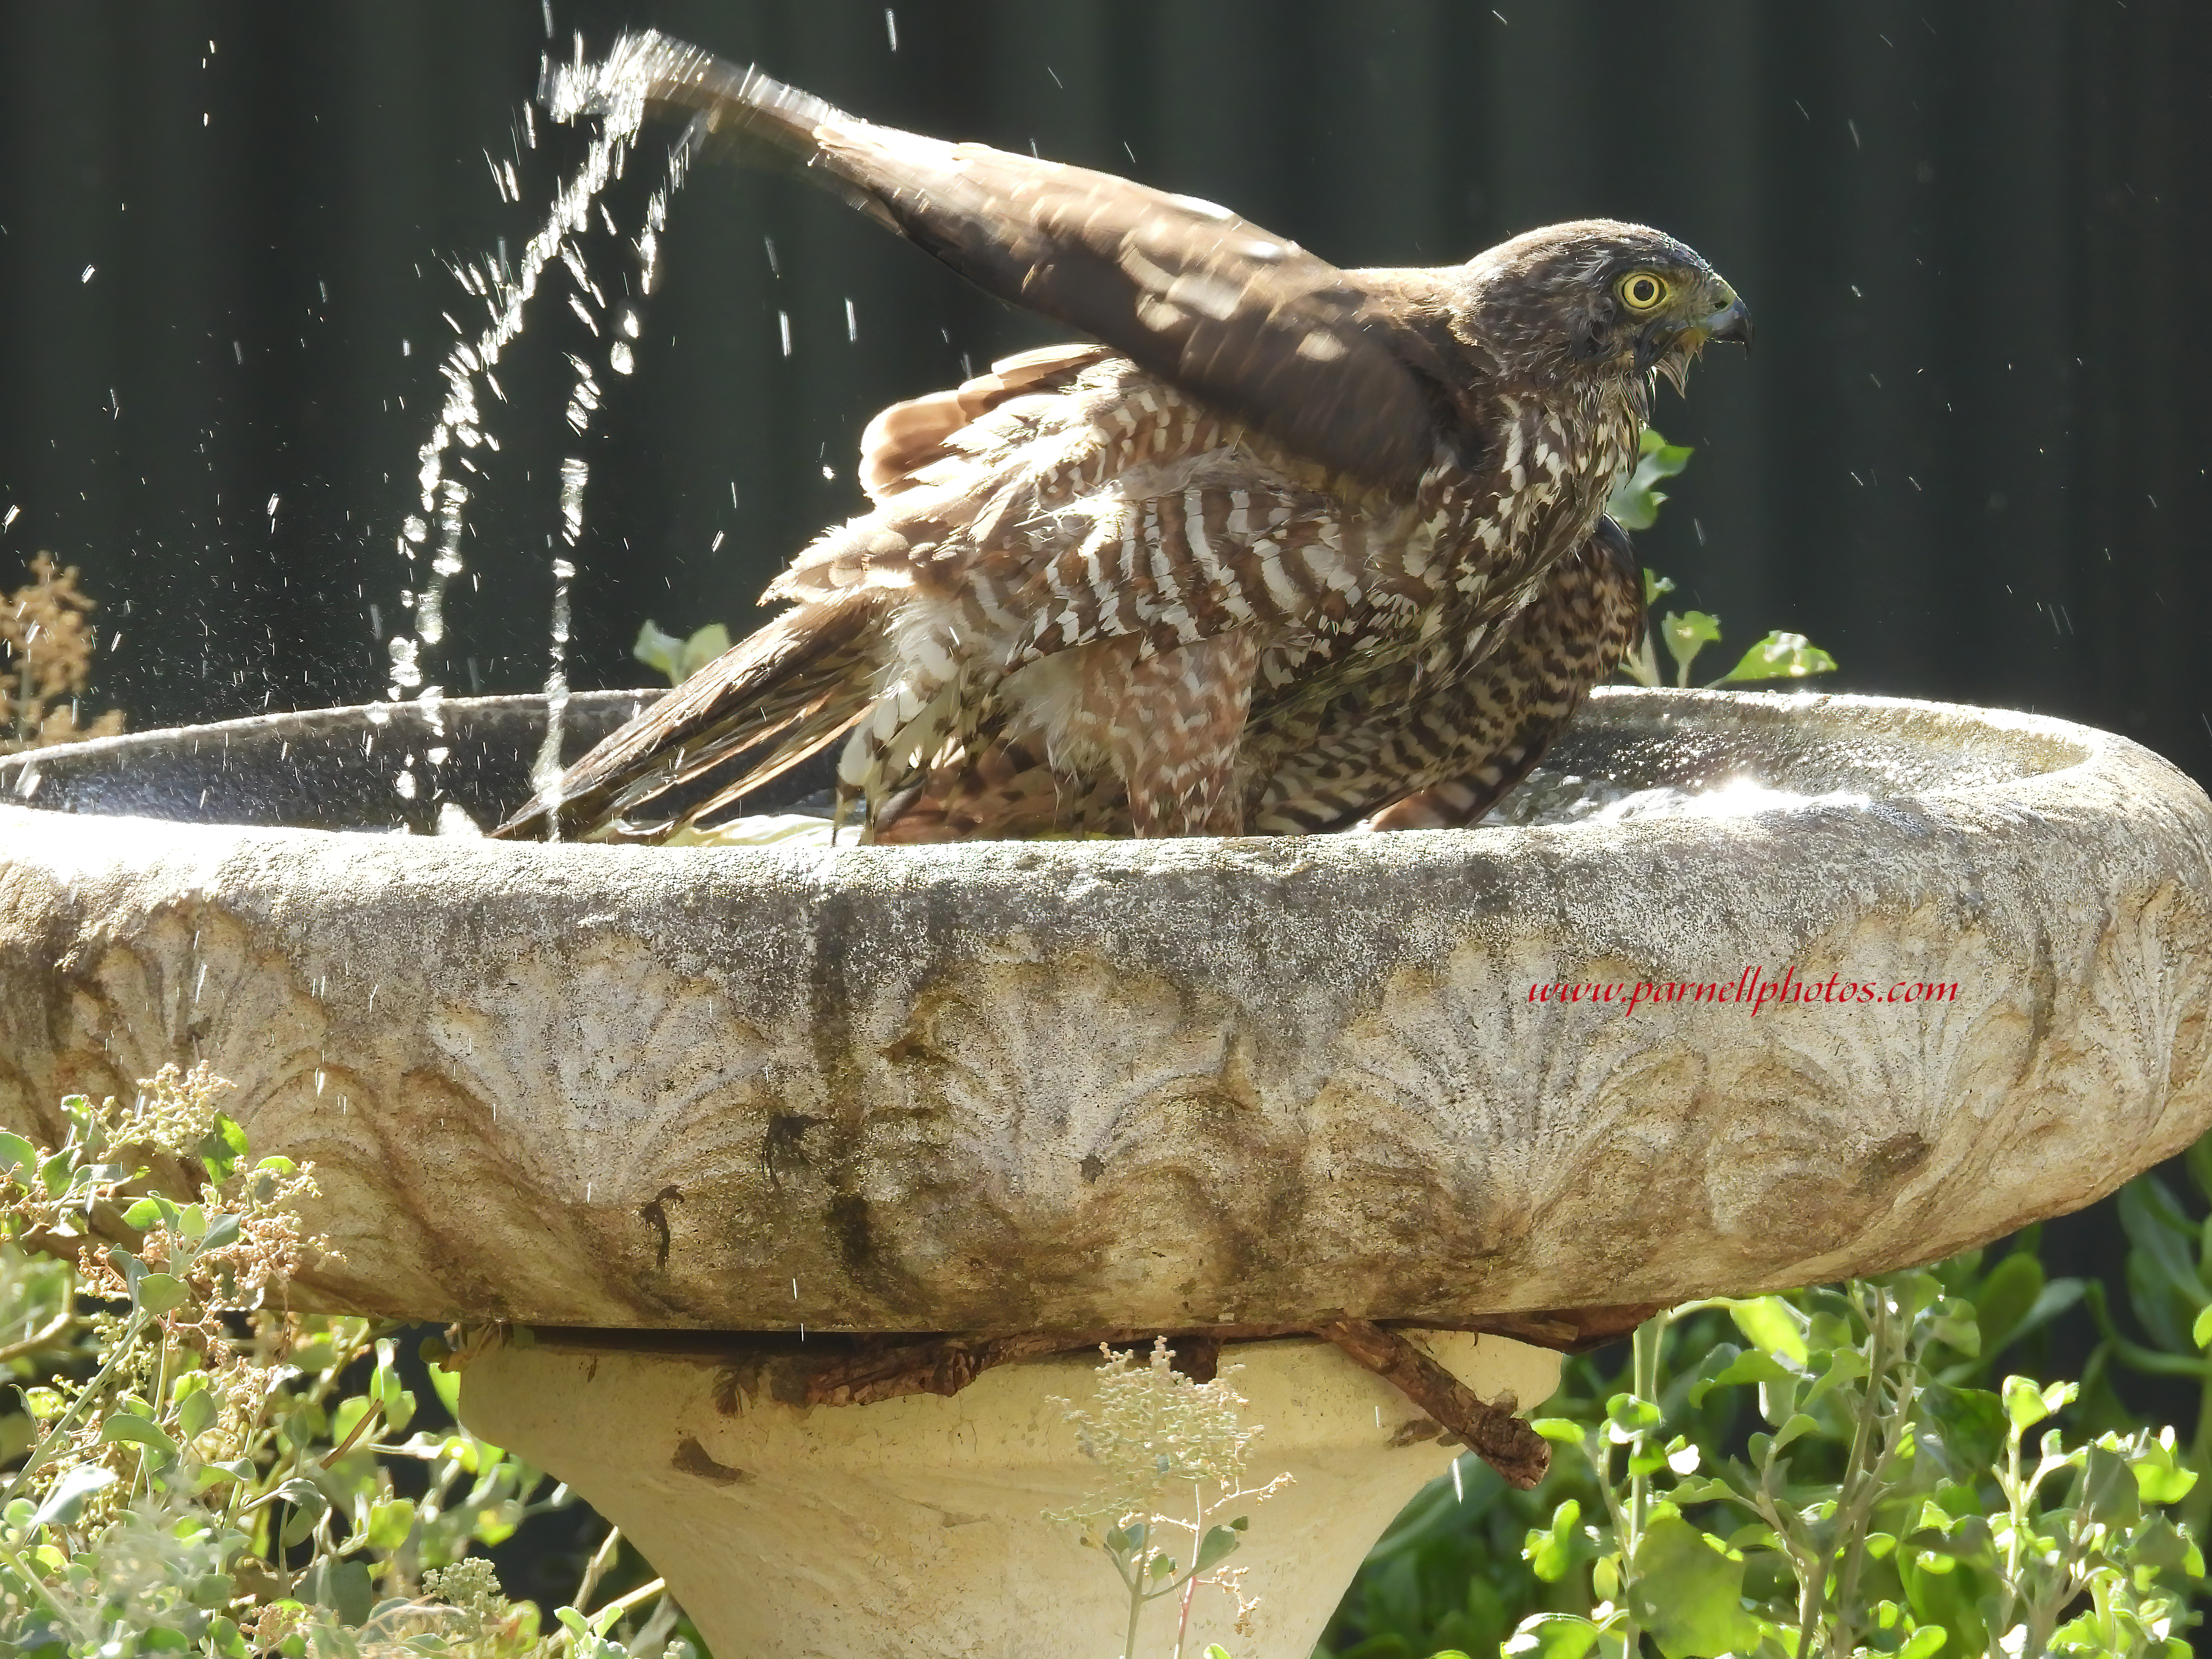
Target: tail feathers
point(795, 684)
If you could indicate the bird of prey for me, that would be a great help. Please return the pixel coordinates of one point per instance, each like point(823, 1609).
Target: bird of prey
point(1280, 547)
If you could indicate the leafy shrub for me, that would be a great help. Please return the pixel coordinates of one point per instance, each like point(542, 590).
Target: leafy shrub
point(203, 1470)
point(1841, 1471)
point(46, 648)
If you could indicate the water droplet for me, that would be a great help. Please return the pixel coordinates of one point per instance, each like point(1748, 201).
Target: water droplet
point(619, 358)
point(87, 274)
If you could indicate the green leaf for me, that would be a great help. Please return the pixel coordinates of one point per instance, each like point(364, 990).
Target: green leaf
point(1929, 1639)
point(1626, 1417)
point(399, 1411)
point(1779, 656)
point(1685, 636)
point(1844, 1366)
point(2159, 1478)
point(2005, 1297)
point(158, 1293)
point(1701, 1489)
point(2201, 1332)
point(347, 1416)
point(1741, 1366)
point(1218, 1543)
point(344, 1587)
point(1970, 1424)
point(1654, 586)
point(195, 1413)
point(130, 1426)
point(309, 1504)
point(221, 1149)
point(1772, 1325)
point(659, 651)
point(1798, 1425)
point(703, 646)
point(1552, 1636)
point(389, 1523)
point(680, 658)
point(1550, 1550)
point(145, 1212)
point(67, 1497)
point(1634, 503)
point(2025, 1405)
point(1688, 1593)
point(17, 1153)
point(1955, 1324)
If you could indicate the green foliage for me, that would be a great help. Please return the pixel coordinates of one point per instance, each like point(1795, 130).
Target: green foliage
point(1634, 505)
point(1157, 1435)
point(2168, 1280)
point(680, 658)
point(201, 1470)
point(1779, 656)
point(1897, 1490)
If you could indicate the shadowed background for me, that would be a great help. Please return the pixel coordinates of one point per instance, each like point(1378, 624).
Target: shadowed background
point(1968, 456)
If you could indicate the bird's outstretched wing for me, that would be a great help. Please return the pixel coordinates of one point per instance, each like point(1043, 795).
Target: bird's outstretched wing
point(1349, 374)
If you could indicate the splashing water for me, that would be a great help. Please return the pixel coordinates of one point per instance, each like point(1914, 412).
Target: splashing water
point(575, 473)
point(613, 92)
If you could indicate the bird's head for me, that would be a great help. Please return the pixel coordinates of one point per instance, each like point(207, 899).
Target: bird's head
point(1600, 296)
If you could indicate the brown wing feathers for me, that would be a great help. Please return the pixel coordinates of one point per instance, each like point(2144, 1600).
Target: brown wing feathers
point(1285, 544)
point(1232, 313)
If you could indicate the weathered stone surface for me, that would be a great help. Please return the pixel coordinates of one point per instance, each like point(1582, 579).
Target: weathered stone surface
point(1059, 1085)
point(912, 1529)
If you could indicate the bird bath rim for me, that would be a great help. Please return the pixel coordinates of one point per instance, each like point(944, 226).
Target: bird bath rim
point(2036, 746)
point(748, 1088)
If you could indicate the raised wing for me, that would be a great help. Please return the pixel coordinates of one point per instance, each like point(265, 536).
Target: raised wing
point(1343, 371)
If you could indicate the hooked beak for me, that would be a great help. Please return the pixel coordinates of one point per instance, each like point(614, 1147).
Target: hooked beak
point(1732, 324)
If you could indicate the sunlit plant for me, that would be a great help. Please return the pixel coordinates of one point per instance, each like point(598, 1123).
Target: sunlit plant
point(1174, 1453)
point(1635, 506)
point(46, 651)
point(202, 1470)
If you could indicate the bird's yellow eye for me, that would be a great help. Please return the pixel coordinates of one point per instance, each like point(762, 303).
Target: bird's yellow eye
point(1640, 290)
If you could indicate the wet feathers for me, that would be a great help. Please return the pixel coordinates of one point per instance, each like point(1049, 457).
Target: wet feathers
point(1280, 547)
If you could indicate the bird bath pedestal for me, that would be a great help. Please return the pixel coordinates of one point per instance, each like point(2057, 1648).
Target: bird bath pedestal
point(665, 1106)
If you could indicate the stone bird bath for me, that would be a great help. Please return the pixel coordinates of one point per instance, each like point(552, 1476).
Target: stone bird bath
point(736, 1129)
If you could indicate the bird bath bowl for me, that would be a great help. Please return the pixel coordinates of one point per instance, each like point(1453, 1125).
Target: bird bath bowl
point(717, 1123)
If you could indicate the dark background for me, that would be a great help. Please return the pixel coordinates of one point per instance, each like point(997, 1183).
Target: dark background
point(1968, 455)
